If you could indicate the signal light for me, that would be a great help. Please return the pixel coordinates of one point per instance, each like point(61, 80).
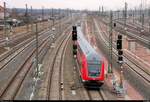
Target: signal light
point(119, 37)
point(114, 24)
point(119, 47)
point(119, 44)
point(120, 58)
point(74, 50)
point(74, 46)
point(120, 52)
point(74, 37)
point(74, 28)
point(74, 33)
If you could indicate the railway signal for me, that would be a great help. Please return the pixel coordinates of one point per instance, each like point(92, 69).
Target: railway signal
point(120, 52)
point(115, 25)
point(110, 71)
point(74, 49)
point(74, 38)
point(120, 61)
point(119, 48)
point(74, 33)
point(74, 28)
point(119, 42)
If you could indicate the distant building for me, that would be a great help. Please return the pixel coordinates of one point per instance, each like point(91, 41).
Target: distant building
point(2, 12)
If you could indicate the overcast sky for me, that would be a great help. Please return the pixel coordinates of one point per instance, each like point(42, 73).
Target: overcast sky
point(75, 4)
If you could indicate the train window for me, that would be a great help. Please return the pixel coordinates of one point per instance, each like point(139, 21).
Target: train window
point(94, 67)
point(94, 70)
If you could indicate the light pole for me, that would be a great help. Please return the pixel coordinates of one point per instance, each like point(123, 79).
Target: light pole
point(43, 16)
point(143, 21)
point(110, 43)
point(27, 19)
point(53, 17)
point(31, 19)
point(125, 15)
point(53, 36)
point(5, 19)
point(99, 11)
point(59, 21)
point(5, 28)
point(37, 59)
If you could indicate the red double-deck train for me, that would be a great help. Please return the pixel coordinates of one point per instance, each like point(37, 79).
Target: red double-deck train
point(91, 63)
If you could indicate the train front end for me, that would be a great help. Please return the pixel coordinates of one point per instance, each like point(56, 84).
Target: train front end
point(91, 62)
point(93, 70)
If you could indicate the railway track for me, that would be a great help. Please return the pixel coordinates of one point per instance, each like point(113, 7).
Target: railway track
point(45, 68)
point(136, 67)
point(95, 95)
point(129, 59)
point(133, 72)
point(130, 27)
point(90, 94)
point(11, 54)
point(53, 83)
point(10, 87)
point(134, 28)
point(16, 36)
point(19, 37)
point(139, 25)
point(56, 71)
point(133, 33)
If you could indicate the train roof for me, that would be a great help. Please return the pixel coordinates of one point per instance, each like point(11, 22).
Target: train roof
point(85, 46)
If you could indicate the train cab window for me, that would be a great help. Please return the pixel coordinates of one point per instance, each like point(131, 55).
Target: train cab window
point(94, 70)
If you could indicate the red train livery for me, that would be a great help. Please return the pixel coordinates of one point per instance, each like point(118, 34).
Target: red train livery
point(91, 63)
